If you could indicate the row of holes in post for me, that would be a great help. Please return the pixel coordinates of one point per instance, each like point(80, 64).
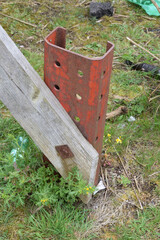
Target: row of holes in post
point(80, 74)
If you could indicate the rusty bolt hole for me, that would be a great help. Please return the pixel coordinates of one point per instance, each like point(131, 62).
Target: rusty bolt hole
point(56, 87)
point(99, 117)
point(80, 73)
point(64, 151)
point(77, 119)
point(96, 138)
point(78, 97)
point(57, 64)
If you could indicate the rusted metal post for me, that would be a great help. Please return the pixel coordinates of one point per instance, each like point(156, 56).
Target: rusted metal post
point(81, 85)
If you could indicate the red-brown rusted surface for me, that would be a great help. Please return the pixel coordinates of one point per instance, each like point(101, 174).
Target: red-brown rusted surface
point(81, 85)
point(64, 151)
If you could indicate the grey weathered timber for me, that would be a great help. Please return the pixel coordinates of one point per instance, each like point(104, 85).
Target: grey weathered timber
point(37, 110)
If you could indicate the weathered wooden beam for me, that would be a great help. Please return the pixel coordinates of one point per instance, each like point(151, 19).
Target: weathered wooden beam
point(41, 115)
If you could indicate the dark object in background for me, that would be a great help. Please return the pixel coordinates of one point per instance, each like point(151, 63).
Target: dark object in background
point(144, 67)
point(154, 30)
point(98, 9)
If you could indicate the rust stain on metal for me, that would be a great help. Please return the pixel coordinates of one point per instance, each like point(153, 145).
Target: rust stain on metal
point(81, 85)
point(64, 151)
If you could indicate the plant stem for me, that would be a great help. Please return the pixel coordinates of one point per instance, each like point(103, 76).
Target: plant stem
point(143, 48)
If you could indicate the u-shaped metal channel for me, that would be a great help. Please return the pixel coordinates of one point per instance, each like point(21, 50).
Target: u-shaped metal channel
point(81, 85)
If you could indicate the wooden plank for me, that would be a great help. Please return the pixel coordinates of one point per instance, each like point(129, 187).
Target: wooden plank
point(41, 115)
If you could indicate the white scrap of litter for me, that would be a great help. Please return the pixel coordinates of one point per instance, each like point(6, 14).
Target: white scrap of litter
point(131, 119)
point(99, 187)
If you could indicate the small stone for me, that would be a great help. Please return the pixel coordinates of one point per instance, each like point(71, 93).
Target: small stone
point(98, 9)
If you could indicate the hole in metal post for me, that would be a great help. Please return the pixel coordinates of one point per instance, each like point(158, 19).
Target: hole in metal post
point(100, 97)
point(77, 119)
point(96, 138)
point(56, 87)
point(57, 64)
point(103, 73)
point(99, 117)
point(78, 97)
point(80, 73)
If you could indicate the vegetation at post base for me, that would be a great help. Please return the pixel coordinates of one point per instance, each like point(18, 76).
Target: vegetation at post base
point(35, 203)
point(33, 182)
point(49, 198)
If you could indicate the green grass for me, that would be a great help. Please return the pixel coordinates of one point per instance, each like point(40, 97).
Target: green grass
point(146, 226)
point(61, 223)
point(36, 60)
point(22, 213)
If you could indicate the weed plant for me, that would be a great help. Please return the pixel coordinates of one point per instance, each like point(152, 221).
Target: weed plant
point(26, 181)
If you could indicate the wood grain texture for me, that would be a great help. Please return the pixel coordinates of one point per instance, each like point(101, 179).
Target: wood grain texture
point(41, 115)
